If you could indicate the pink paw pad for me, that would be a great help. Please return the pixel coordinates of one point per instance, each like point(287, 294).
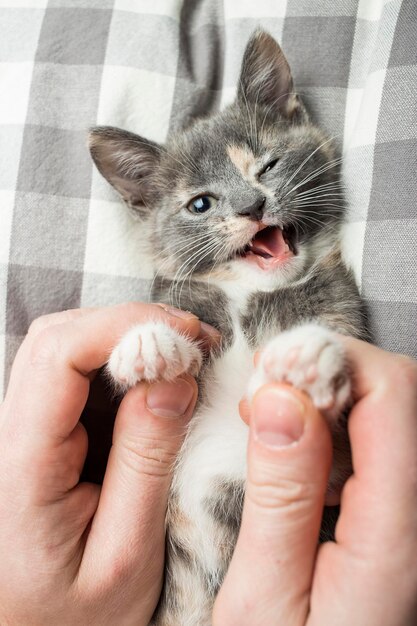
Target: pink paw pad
point(311, 358)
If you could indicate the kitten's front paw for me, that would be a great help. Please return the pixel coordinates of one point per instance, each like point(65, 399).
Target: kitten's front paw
point(311, 358)
point(153, 351)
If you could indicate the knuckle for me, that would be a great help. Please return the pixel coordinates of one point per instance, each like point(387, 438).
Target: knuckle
point(38, 324)
point(125, 306)
point(130, 309)
point(46, 348)
point(403, 372)
point(286, 494)
point(407, 369)
point(49, 319)
point(147, 456)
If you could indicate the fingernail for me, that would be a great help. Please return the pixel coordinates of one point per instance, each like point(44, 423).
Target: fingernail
point(278, 418)
point(169, 399)
point(211, 331)
point(178, 312)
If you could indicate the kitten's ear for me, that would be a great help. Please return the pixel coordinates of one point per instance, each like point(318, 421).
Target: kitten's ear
point(126, 160)
point(265, 78)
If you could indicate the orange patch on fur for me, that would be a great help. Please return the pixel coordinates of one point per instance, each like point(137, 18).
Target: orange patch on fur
point(243, 159)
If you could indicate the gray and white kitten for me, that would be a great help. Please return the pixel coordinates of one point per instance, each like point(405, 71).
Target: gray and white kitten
point(243, 211)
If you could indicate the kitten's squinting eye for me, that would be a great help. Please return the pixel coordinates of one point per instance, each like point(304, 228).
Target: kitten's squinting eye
point(201, 204)
point(269, 167)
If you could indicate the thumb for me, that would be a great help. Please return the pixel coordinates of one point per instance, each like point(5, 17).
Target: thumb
point(289, 457)
point(128, 529)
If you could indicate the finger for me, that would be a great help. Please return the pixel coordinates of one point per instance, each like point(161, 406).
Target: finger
point(129, 526)
point(289, 459)
point(383, 434)
point(64, 464)
point(376, 534)
point(332, 494)
point(208, 334)
point(44, 321)
point(244, 410)
point(55, 375)
point(37, 326)
point(209, 337)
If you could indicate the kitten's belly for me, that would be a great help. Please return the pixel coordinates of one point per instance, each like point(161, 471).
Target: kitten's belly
point(216, 445)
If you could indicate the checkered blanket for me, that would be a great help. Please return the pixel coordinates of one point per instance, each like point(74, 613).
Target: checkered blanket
point(147, 65)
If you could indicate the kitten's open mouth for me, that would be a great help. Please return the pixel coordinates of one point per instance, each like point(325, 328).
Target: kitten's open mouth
point(271, 246)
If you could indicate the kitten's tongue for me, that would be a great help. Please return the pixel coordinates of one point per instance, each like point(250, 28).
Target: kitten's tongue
point(269, 241)
point(268, 248)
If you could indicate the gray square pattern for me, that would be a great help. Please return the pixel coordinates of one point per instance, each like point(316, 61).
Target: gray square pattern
point(395, 170)
point(54, 105)
point(319, 49)
point(102, 290)
point(73, 36)
point(55, 161)
point(393, 200)
point(61, 288)
point(397, 118)
point(137, 32)
point(49, 231)
point(404, 45)
point(67, 243)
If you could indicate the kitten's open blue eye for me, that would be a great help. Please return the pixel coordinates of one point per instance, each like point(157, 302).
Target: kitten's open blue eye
point(201, 204)
point(269, 167)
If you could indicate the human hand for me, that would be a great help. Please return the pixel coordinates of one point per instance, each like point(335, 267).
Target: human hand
point(70, 552)
point(368, 576)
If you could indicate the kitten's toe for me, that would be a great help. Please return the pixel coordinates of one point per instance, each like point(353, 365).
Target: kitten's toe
point(312, 359)
point(150, 352)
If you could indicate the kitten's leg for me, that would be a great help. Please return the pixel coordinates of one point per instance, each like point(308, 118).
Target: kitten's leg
point(185, 599)
point(199, 548)
point(153, 351)
point(311, 358)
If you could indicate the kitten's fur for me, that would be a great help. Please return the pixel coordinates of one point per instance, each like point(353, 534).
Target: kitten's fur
point(290, 310)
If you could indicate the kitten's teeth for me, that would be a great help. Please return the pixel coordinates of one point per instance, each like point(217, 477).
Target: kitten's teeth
point(286, 249)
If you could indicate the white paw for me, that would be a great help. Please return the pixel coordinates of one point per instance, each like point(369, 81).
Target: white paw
point(153, 351)
point(311, 358)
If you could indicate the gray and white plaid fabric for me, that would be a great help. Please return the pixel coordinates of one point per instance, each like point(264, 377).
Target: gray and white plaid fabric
point(145, 65)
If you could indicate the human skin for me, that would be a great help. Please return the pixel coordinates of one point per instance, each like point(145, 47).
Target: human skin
point(73, 553)
point(368, 576)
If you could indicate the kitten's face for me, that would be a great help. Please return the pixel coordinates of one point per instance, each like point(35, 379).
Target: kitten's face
point(227, 197)
point(254, 187)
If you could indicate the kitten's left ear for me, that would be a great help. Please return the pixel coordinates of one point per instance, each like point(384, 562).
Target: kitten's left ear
point(127, 161)
point(265, 78)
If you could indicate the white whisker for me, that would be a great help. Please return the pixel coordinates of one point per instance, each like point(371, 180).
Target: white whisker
point(313, 175)
point(307, 159)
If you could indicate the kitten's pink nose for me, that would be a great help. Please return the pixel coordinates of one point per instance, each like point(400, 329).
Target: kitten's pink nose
point(255, 211)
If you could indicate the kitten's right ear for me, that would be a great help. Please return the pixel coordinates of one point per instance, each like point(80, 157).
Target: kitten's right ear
point(126, 160)
point(265, 78)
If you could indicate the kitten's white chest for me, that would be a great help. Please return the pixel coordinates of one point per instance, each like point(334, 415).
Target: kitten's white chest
point(215, 449)
point(217, 441)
